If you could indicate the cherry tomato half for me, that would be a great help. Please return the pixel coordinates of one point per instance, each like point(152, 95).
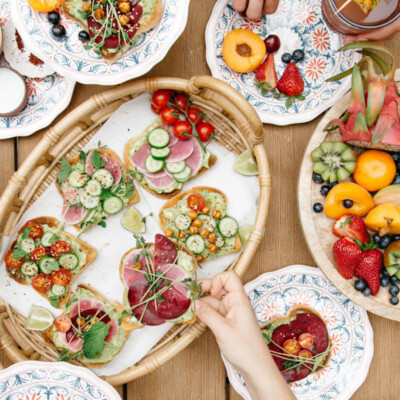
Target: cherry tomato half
point(196, 202)
point(62, 277)
point(59, 248)
point(38, 253)
point(182, 102)
point(169, 115)
point(292, 346)
point(205, 131)
point(306, 340)
point(42, 282)
point(36, 231)
point(305, 353)
point(11, 262)
point(195, 115)
point(183, 130)
point(62, 323)
point(161, 98)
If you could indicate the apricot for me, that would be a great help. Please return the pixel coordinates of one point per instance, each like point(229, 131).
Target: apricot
point(384, 219)
point(360, 199)
point(243, 50)
point(374, 170)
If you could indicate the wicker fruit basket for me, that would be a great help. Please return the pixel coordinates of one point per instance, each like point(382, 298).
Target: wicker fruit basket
point(238, 128)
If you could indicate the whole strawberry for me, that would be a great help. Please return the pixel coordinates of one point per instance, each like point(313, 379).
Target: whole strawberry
point(291, 84)
point(346, 253)
point(352, 226)
point(369, 269)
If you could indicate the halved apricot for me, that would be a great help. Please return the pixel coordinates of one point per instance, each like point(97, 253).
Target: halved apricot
point(384, 219)
point(45, 5)
point(243, 50)
point(360, 200)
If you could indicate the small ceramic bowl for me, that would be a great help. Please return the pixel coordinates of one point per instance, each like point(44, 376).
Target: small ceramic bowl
point(1, 40)
point(9, 80)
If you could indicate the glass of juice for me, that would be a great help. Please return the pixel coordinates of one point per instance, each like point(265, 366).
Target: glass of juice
point(352, 20)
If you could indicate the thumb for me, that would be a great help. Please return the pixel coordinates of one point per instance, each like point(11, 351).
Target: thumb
point(211, 317)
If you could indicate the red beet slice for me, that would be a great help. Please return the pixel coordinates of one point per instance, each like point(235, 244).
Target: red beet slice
point(174, 305)
point(164, 251)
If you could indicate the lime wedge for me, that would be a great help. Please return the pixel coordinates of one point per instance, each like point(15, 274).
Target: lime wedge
point(39, 319)
point(244, 233)
point(132, 221)
point(245, 164)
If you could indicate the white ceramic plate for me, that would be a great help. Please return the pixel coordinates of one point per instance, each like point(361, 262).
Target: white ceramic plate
point(68, 57)
point(274, 293)
point(34, 380)
point(299, 25)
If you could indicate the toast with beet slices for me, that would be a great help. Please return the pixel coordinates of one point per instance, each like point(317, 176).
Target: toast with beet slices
point(111, 37)
point(188, 158)
point(48, 259)
point(159, 284)
point(89, 330)
point(94, 185)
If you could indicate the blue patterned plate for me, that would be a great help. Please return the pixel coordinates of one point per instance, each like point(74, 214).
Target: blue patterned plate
point(299, 25)
point(69, 58)
point(273, 294)
point(48, 97)
point(34, 380)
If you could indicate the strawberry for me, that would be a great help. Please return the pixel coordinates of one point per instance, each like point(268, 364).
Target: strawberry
point(266, 75)
point(291, 84)
point(346, 253)
point(369, 268)
point(352, 226)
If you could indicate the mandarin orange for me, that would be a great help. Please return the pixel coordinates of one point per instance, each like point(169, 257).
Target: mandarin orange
point(45, 5)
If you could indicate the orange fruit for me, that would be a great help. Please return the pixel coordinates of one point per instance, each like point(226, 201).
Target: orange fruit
point(45, 5)
point(374, 170)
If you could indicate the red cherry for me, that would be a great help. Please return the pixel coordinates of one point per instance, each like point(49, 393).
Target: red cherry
point(272, 43)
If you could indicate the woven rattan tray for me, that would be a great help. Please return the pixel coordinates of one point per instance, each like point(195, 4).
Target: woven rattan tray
point(238, 128)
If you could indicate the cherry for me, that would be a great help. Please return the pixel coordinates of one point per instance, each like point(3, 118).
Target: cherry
point(272, 43)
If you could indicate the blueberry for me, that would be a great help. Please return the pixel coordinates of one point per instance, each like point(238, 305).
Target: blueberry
point(83, 36)
point(286, 58)
point(325, 190)
point(385, 273)
point(360, 285)
point(394, 300)
point(367, 292)
point(53, 17)
point(394, 290)
point(384, 281)
point(396, 179)
point(348, 203)
point(317, 207)
point(385, 241)
point(396, 157)
point(398, 166)
point(317, 178)
point(298, 55)
point(395, 238)
point(394, 280)
point(332, 184)
point(58, 31)
point(376, 238)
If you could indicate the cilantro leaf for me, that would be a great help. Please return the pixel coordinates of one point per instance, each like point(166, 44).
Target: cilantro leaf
point(82, 156)
point(26, 232)
point(93, 339)
point(17, 253)
point(65, 170)
point(97, 161)
point(54, 301)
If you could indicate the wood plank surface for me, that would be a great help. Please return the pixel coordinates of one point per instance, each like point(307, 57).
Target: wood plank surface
point(198, 373)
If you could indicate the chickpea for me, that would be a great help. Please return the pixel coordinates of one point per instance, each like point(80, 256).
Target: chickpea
point(192, 214)
point(124, 7)
point(198, 222)
point(138, 265)
point(193, 230)
point(212, 248)
point(169, 232)
point(216, 214)
point(80, 321)
point(180, 234)
point(206, 210)
point(99, 14)
point(204, 233)
point(124, 20)
point(86, 7)
point(86, 327)
point(212, 237)
point(199, 259)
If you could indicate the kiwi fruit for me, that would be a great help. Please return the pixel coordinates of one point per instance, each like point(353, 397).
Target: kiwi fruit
point(391, 258)
point(334, 161)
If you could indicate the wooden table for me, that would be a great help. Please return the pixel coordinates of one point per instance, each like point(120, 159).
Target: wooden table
point(198, 372)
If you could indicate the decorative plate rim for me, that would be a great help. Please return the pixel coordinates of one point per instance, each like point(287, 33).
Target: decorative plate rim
point(114, 78)
point(275, 119)
point(368, 350)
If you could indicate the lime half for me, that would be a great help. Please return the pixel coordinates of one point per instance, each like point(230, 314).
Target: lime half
point(132, 221)
point(39, 319)
point(245, 164)
point(244, 233)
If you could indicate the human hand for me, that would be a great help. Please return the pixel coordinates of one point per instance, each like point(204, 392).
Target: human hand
point(387, 32)
point(254, 8)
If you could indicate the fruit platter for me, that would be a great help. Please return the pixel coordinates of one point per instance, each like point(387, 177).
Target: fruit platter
point(348, 187)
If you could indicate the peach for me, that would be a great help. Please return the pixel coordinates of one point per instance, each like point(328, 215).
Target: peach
point(384, 219)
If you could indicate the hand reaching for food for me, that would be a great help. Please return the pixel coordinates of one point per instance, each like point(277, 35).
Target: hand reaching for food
point(387, 32)
point(230, 316)
point(254, 8)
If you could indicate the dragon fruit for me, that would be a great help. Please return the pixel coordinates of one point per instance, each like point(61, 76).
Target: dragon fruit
point(373, 118)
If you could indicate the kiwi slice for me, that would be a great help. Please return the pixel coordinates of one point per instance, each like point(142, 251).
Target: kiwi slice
point(334, 161)
point(391, 258)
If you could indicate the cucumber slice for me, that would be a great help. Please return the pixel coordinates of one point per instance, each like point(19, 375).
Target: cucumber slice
point(48, 264)
point(160, 154)
point(58, 290)
point(88, 201)
point(28, 245)
point(158, 138)
point(196, 244)
point(228, 227)
point(208, 222)
point(29, 268)
point(183, 222)
point(183, 176)
point(77, 179)
point(175, 167)
point(93, 188)
point(104, 177)
point(219, 242)
point(113, 205)
point(69, 261)
point(48, 239)
point(152, 165)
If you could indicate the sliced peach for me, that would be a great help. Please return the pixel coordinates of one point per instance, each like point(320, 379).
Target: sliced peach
point(335, 205)
point(384, 219)
point(243, 50)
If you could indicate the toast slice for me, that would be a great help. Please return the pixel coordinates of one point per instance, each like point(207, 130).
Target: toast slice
point(85, 253)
